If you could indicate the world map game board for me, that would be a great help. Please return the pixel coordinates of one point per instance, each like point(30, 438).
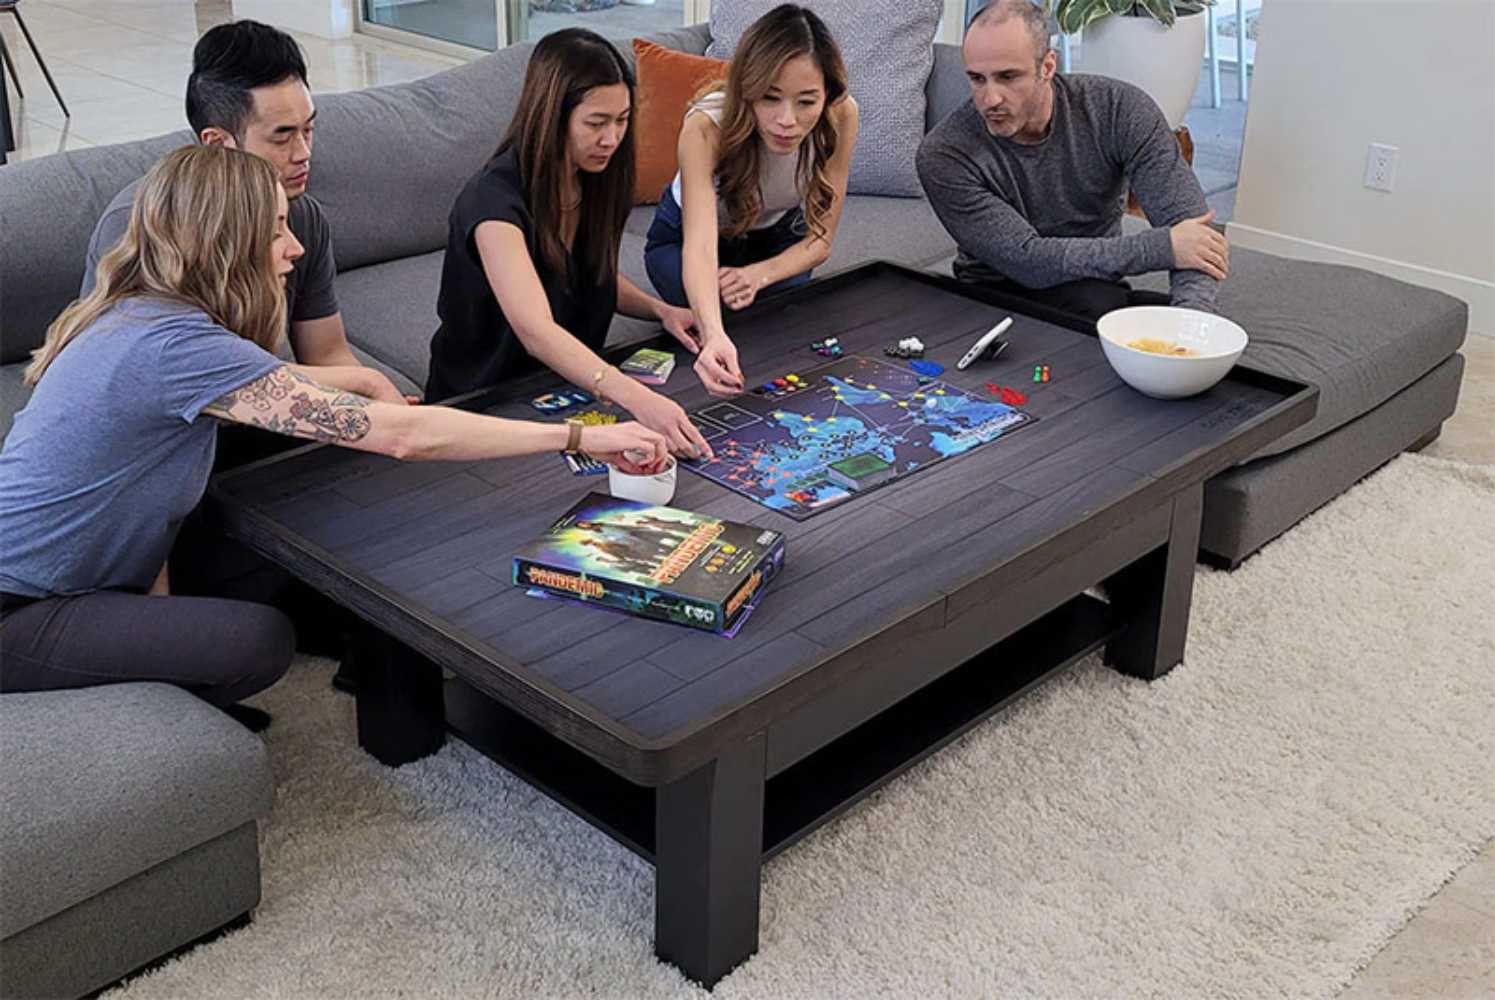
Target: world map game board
point(777, 447)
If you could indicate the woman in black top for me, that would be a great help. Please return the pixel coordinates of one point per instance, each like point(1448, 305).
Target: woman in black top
point(531, 268)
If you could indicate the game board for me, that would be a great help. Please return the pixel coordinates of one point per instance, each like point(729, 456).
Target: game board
point(774, 447)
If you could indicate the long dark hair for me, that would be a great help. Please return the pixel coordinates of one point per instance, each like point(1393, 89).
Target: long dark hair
point(562, 68)
point(785, 32)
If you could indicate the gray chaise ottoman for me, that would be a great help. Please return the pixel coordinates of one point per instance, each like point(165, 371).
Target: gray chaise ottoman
point(127, 829)
point(1384, 355)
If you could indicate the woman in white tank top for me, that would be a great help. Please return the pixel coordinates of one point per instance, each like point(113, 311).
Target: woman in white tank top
point(763, 165)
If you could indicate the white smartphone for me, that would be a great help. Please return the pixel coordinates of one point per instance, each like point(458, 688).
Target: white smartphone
point(981, 346)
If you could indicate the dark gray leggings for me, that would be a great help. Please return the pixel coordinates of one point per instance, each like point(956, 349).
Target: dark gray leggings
point(222, 651)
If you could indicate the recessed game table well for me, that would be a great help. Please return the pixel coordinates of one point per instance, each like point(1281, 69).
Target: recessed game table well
point(902, 618)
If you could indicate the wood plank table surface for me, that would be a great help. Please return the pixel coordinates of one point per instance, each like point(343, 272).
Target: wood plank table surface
point(902, 617)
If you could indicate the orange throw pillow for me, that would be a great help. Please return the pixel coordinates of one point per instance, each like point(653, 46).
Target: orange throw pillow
point(667, 80)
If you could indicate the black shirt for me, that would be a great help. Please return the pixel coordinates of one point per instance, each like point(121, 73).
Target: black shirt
point(476, 346)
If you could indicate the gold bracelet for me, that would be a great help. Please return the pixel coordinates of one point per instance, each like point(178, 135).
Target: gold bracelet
point(597, 378)
point(573, 438)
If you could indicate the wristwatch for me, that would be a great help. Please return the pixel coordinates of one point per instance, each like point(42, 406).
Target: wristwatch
point(573, 439)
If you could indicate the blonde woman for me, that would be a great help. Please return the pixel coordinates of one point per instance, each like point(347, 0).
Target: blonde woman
point(115, 446)
point(763, 165)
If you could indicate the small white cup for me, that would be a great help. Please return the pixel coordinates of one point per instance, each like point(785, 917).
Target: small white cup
point(658, 488)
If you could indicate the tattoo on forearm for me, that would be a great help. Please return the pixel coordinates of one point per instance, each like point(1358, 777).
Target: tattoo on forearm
point(276, 403)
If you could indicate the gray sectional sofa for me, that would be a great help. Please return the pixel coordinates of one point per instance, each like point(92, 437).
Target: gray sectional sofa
point(388, 163)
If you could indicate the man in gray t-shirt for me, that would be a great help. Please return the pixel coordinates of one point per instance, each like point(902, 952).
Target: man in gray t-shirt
point(248, 91)
point(1030, 176)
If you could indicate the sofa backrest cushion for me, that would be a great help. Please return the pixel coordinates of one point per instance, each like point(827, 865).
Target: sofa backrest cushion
point(48, 208)
point(390, 161)
point(948, 87)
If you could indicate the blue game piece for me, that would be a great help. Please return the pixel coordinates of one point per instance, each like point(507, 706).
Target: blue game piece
point(930, 368)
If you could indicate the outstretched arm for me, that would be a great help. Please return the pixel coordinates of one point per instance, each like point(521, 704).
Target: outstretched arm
point(521, 295)
point(286, 401)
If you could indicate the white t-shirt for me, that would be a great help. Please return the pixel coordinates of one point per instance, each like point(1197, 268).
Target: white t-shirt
point(778, 173)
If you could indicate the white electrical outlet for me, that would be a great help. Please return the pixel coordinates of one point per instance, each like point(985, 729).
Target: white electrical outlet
point(1380, 167)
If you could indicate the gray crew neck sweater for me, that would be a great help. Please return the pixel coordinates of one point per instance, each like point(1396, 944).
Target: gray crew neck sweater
point(1043, 214)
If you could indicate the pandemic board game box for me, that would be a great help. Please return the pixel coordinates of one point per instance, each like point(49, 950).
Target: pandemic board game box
point(652, 561)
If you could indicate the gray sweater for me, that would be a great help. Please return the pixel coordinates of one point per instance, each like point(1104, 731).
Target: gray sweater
point(1048, 213)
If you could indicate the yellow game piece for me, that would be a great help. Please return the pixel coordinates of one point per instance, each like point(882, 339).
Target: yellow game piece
point(791, 378)
point(902, 403)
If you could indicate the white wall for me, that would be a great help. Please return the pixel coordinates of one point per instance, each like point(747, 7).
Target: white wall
point(1333, 76)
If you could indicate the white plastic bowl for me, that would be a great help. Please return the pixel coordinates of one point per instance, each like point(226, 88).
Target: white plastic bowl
point(1215, 340)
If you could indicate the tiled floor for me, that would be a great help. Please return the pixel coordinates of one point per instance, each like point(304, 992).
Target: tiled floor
point(122, 65)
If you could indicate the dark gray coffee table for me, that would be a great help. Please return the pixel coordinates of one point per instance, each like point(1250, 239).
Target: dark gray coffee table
point(902, 619)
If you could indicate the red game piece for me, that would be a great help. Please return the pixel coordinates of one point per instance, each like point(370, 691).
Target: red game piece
point(1009, 396)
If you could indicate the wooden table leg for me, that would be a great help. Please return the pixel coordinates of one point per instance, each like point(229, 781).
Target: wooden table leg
point(1154, 593)
point(401, 714)
point(708, 859)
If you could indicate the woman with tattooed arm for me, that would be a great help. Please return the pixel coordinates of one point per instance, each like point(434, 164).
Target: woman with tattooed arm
point(116, 444)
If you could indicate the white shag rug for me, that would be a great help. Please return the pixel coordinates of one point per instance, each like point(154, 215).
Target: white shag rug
point(1257, 823)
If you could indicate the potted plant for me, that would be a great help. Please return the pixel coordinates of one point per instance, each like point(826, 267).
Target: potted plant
point(1156, 44)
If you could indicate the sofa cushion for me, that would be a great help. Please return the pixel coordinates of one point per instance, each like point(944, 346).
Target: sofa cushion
point(667, 80)
point(103, 783)
point(1361, 337)
point(888, 48)
point(48, 207)
point(903, 230)
point(390, 161)
point(389, 311)
point(948, 87)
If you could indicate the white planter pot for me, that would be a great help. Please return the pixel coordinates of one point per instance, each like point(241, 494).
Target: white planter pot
point(1165, 62)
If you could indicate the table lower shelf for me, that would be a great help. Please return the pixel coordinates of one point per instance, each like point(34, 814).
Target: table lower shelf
point(826, 783)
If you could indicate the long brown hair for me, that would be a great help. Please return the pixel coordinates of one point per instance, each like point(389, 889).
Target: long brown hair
point(200, 232)
point(562, 68)
point(785, 32)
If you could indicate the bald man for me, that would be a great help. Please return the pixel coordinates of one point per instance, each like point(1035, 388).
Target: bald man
point(1031, 174)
